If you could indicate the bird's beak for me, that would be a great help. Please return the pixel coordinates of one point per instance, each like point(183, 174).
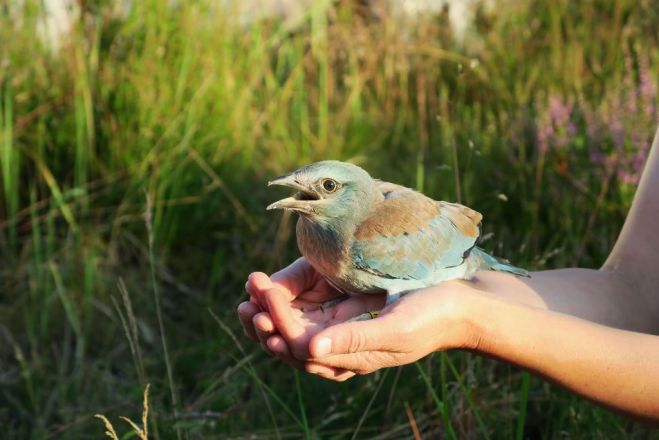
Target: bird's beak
point(300, 201)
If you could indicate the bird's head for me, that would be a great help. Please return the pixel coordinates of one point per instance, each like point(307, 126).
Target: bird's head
point(328, 190)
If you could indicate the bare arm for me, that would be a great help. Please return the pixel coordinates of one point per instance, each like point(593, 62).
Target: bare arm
point(625, 292)
point(616, 368)
point(602, 296)
point(613, 367)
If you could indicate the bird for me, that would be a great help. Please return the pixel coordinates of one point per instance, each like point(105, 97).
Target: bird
point(368, 236)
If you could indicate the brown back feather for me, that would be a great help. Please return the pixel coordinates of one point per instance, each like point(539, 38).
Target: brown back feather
point(407, 211)
point(466, 219)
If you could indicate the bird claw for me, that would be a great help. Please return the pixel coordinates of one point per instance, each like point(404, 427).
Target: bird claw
point(333, 302)
point(364, 316)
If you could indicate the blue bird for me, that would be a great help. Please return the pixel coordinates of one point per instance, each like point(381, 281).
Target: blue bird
point(368, 236)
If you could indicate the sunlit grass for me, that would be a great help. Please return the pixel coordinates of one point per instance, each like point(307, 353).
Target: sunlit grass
point(142, 433)
point(190, 106)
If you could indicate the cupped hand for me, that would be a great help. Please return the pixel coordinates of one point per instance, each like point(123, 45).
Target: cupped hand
point(298, 280)
point(284, 315)
point(296, 295)
point(422, 322)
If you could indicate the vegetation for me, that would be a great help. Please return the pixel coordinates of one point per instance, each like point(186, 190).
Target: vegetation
point(134, 157)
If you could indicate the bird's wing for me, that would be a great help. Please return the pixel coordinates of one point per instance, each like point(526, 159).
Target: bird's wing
point(409, 236)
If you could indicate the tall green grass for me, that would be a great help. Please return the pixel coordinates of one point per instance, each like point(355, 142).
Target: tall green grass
point(192, 107)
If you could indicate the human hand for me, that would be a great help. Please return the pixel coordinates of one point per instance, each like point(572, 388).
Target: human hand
point(420, 323)
point(298, 292)
point(425, 321)
point(283, 315)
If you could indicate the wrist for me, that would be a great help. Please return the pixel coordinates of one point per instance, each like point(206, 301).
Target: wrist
point(473, 304)
point(484, 314)
point(459, 326)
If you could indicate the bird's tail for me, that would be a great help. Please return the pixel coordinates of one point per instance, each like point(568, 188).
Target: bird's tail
point(499, 264)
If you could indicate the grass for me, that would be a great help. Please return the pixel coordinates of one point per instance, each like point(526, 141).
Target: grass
point(539, 118)
point(142, 433)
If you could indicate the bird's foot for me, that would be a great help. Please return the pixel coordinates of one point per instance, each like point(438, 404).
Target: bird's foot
point(328, 304)
point(391, 298)
point(333, 302)
point(364, 316)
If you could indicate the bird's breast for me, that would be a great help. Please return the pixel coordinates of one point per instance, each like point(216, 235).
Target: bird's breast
point(328, 252)
point(326, 249)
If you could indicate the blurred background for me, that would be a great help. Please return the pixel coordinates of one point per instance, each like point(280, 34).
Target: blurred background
point(136, 140)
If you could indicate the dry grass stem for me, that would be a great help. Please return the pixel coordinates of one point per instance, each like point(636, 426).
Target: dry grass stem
point(142, 433)
point(110, 432)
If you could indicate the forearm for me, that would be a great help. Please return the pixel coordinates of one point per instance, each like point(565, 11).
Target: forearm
point(616, 368)
point(624, 294)
point(602, 296)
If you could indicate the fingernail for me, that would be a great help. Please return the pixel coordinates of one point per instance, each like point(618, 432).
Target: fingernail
point(323, 347)
point(272, 344)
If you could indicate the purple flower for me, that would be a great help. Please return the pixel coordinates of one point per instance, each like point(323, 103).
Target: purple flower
point(647, 89)
point(556, 127)
point(617, 127)
point(617, 131)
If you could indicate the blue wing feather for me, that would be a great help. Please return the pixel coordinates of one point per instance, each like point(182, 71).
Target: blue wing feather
point(414, 255)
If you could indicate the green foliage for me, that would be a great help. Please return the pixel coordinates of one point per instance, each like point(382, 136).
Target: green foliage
point(538, 117)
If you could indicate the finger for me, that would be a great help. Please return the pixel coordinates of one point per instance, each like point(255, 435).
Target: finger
point(279, 348)
point(354, 337)
point(336, 374)
point(282, 315)
point(256, 302)
point(251, 289)
point(264, 328)
point(362, 362)
point(252, 293)
point(257, 284)
point(295, 279)
point(246, 311)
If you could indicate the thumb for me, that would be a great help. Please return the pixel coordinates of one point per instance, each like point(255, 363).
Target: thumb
point(352, 337)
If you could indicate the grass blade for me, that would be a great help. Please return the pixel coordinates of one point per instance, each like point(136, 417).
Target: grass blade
point(523, 401)
point(438, 403)
point(303, 411)
point(161, 325)
point(467, 395)
point(249, 368)
point(370, 404)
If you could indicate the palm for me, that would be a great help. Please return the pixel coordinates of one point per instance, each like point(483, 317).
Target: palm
point(301, 317)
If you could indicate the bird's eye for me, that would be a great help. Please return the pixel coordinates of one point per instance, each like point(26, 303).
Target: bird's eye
point(330, 185)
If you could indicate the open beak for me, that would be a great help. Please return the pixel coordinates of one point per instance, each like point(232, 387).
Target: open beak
point(300, 201)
